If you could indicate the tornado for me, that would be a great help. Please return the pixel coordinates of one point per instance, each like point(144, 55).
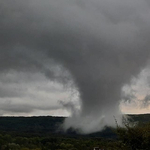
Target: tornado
point(99, 45)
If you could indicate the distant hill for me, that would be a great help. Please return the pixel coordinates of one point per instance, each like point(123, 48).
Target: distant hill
point(141, 118)
point(41, 125)
point(48, 125)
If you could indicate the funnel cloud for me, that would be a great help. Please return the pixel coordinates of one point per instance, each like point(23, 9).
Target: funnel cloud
point(94, 47)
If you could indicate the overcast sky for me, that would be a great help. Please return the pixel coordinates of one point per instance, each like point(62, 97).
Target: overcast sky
point(75, 57)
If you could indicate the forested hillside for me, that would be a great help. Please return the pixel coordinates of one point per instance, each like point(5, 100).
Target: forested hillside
point(45, 133)
point(31, 125)
point(48, 125)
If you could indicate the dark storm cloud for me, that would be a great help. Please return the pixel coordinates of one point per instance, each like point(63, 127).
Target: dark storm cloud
point(100, 45)
point(24, 108)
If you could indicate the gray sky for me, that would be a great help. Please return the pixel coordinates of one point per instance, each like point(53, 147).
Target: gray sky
point(72, 57)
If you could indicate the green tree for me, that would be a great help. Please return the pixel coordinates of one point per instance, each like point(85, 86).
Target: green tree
point(135, 137)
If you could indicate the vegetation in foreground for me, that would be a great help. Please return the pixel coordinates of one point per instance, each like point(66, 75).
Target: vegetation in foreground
point(131, 137)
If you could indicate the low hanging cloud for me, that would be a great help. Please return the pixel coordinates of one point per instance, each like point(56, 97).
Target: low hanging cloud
point(135, 95)
point(94, 47)
point(146, 101)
